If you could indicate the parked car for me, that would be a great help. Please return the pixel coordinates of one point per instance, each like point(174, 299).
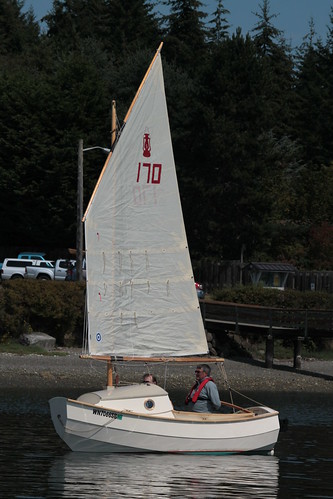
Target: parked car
point(14, 268)
point(29, 256)
point(57, 271)
point(41, 269)
point(32, 255)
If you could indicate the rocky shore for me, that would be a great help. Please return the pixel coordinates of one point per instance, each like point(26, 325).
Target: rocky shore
point(63, 369)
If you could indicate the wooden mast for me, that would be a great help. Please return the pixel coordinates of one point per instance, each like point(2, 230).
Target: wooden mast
point(109, 373)
point(113, 123)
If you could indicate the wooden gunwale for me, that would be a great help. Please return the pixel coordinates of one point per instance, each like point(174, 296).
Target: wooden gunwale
point(183, 416)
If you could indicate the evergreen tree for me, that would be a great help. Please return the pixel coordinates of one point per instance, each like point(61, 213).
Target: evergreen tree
point(18, 31)
point(220, 26)
point(119, 26)
point(251, 137)
point(314, 119)
point(311, 88)
point(45, 115)
point(133, 26)
point(185, 34)
point(233, 179)
point(277, 73)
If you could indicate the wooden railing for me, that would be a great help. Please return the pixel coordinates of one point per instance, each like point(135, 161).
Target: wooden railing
point(268, 320)
point(272, 323)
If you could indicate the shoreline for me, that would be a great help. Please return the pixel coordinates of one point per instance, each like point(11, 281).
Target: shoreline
point(68, 372)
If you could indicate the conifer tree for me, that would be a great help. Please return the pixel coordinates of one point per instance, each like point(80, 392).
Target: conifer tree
point(18, 30)
point(277, 72)
point(185, 34)
point(314, 119)
point(219, 24)
point(119, 26)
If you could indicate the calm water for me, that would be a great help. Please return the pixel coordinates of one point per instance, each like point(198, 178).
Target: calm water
point(34, 463)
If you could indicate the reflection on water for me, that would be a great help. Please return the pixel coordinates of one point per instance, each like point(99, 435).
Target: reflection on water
point(153, 475)
point(35, 463)
point(306, 463)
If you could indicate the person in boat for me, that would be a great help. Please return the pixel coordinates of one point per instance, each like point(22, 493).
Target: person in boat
point(149, 378)
point(204, 395)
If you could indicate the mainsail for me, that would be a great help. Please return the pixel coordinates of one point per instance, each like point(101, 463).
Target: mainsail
point(141, 297)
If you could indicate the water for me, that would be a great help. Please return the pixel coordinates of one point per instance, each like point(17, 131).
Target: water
point(34, 462)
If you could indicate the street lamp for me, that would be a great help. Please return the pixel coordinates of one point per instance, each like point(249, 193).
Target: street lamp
point(79, 227)
point(105, 149)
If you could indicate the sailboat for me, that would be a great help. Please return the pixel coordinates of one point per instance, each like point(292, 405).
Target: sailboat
point(142, 304)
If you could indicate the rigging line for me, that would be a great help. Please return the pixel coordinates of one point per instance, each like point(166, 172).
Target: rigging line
point(165, 374)
point(85, 329)
point(246, 397)
point(224, 374)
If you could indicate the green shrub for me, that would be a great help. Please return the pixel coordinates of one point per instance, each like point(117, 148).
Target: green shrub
point(52, 307)
point(253, 295)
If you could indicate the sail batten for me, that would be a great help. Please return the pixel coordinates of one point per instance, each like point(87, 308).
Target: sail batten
point(141, 297)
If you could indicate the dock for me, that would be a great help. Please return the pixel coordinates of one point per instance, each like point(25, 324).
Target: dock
point(271, 323)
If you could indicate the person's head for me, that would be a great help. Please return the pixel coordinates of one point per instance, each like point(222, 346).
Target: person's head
point(201, 371)
point(149, 378)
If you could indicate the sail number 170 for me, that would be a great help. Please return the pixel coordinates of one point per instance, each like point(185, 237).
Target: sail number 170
point(151, 173)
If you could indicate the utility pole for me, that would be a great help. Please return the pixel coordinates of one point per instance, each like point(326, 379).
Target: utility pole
point(79, 224)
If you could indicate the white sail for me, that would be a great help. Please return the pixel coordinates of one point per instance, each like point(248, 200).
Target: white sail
point(141, 297)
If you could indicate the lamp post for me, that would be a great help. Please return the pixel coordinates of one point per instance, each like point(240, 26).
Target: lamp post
point(79, 225)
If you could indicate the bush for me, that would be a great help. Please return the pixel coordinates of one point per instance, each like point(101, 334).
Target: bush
point(251, 295)
point(52, 307)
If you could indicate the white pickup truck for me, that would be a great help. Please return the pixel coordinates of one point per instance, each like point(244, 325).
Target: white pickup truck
point(25, 256)
point(14, 268)
point(42, 270)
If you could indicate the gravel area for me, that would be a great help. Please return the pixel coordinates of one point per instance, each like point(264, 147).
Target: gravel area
point(68, 371)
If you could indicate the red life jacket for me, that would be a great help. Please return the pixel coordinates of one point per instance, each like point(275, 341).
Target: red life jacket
point(197, 393)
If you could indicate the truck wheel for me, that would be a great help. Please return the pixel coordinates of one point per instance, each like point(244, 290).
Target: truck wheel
point(17, 276)
point(43, 277)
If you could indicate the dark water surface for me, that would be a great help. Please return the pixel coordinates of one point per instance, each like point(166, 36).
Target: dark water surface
point(34, 463)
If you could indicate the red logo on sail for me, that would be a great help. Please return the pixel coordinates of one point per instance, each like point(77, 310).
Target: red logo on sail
point(148, 173)
point(146, 145)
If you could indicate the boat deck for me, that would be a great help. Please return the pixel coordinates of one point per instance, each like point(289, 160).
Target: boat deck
point(204, 416)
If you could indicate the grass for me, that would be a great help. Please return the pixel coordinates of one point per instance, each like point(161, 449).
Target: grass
point(11, 346)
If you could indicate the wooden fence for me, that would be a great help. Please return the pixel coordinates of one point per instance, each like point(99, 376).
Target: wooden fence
point(216, 275)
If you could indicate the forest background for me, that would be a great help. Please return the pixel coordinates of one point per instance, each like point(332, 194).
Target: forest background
point(251, 122)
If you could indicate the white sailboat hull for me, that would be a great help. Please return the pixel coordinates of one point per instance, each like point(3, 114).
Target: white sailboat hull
point(87, 427)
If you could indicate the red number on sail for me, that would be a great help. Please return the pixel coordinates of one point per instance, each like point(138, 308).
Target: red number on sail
point(155, 178)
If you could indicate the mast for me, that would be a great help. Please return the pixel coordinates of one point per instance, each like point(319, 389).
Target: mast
point(113, 123)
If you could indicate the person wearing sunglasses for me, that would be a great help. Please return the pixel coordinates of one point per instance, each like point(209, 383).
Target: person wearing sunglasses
point(204, 395)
